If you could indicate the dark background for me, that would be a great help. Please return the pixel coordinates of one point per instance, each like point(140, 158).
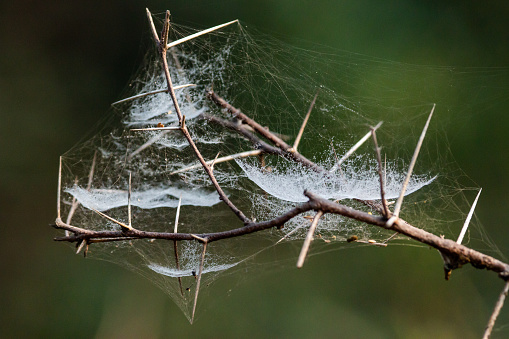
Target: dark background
point(63, 62)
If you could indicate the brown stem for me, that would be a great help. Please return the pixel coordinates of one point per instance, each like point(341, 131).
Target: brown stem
point(458, 254)
point(278, 142)
point(163, 48)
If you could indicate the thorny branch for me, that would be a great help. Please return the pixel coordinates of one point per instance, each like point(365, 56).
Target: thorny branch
point(454, 254)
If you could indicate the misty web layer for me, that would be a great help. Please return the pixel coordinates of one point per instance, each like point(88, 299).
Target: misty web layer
point(274, 84)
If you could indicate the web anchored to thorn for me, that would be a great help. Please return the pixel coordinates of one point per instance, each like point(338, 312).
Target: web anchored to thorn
point(205, 137)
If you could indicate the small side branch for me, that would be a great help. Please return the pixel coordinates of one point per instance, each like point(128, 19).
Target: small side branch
point(278, 142)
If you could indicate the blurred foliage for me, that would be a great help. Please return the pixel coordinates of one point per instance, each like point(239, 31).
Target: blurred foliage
point(64, 62)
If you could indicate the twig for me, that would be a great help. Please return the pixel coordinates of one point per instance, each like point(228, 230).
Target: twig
point(354, 148)
point(469, 217)
point(496, 311)
point(309, 237)
point(246, 133)
point(202, 261)
point(301, 131)
point(141, 95)
point(399, 202)
point(278, 142)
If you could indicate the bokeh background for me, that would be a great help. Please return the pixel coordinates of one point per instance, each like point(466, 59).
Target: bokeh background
point(63, 62)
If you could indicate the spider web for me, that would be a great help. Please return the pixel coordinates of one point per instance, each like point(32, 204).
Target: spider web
point(274, 84)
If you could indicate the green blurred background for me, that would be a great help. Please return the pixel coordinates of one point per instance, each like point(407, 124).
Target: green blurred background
point(63, 62)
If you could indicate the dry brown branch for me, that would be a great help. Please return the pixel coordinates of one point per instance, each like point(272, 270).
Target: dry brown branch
point(458, 253)
point(278, 142)
point(163, 48)
point(455, 255)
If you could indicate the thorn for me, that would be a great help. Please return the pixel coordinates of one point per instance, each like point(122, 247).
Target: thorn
point(129, 202)
point(200, 239)
point(309, 238)
point(156, 129)
point(175, 245)
point(59, 187)
point(202, 261)
point(214, 161)
point(301, 131)
point(354, 148)
point(80, 246)
point(399, 202)
point(385, 209)
point(467, 220)
point(195, 35)
point(112, 219)
point(219, 160)
point(141, 95)
point(152, 26)
point(177, 215)
point(290, 233)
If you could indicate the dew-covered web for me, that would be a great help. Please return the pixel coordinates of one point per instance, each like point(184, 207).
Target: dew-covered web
point(274, 84)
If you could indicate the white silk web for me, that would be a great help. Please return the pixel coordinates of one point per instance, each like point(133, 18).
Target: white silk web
point(274, 84)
